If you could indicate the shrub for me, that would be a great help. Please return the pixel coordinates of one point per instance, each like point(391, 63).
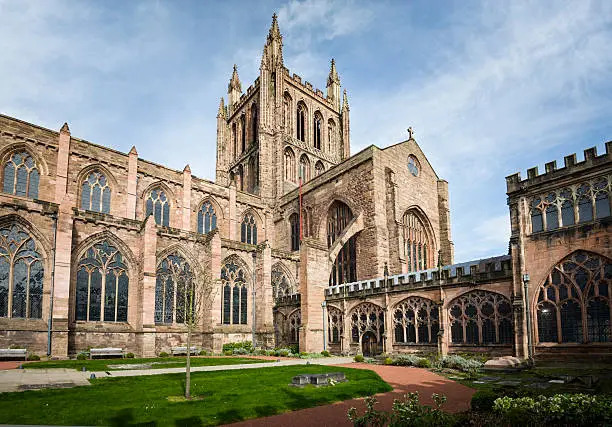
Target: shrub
point(241, 351)
point(232, 346)
point(228, 352)
point(82, 356)
point(33, 357)
point(163, 354)
point(454, 361)
point(203, 353)
point(482, 400)
point(388, 361)
point(424, 363)
point(283, 353)
point(359, 358)
point(129, 355)
point(294, 349)
point(407, 360)
point(325, 353)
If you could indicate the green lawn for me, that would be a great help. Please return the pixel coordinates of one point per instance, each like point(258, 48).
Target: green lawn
point(228, 396)
point(155, 363)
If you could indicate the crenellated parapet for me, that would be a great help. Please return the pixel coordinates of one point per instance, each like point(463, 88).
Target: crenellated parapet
point(307, 87)
point(552, 172)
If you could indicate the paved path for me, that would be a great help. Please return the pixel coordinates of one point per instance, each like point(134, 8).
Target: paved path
point(402, 379)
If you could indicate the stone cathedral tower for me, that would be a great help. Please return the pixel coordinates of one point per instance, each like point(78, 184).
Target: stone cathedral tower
point(278, 122)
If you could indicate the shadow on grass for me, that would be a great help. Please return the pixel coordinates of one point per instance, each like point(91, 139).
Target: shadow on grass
point(125, 418)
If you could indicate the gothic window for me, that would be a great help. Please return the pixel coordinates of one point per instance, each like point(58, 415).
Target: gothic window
point(585, 205)
point(574, 302)
point(567, 207)
point(248, 230)
point(416, 242)
point(240, 176)
point(243, 132)
point(158, 205)
point(367, 317)
point(602, 198)
point(96, 193)
point(481, 317)
point(287, 113)
point(413, 165)
point(281, 286)
point(294, 223)
point(174, 282)
point(295, 321)
point(301, 122)
point(102, 284)
point(335, 324)
point(253, 173)
point(254, 124)
point(235, 140)
point(289, 165)
point(338, 217)
point(304, 168)
point(344, 269)
point(537, 223)
point(317, 130)
point(207, 218)
point(416, 320)
point(235, 295)
point(331, 135)
point(552, 213)
point(21, 176)
point(21, 274)
point(319, 168)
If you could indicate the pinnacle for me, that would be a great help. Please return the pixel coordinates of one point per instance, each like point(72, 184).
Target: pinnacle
point(221, 111)
point(345, 103)
point(187, 168)
point(65, 128)
point(274, 30)
point(333, 74)
point(133, 150)
point(235, 80)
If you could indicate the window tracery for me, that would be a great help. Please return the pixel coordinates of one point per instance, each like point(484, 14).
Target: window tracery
point(248, 230)
point(335, 324)
point(319, 168)
point(281, 285)
point(21, 274)
point(481, 317)
point(21, 175)
point(174, 280)
point(295, 321)
point(317, 130)
point(367, 317)
point(158, 205)
point(301, 122)
point(331, 135)
point(416, 321)
point(207, 218)
point(344, 268)
point(574, 302)
point(96, 193)
point(287, 113)
point(102, 285)
point(417, 244)
point(235, 295)
point(304, 168)
point(289, 165)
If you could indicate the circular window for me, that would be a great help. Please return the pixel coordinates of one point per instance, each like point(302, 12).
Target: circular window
point(413, 165)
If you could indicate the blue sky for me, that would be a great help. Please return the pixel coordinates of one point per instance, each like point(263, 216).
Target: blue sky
point(490, 87)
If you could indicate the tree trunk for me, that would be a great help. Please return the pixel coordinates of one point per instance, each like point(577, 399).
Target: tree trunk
point(188, 370)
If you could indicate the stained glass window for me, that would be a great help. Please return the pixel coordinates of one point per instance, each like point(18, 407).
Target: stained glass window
point(235, 296)
point(21, 176)
point(248, 230)
point(158, 205)
point(207, 218)
point(96, 193)
point(416, 240)
point(174, 282)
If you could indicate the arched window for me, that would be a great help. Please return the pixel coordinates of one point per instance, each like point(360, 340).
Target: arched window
point(317, 124)
point(248, 230)
point(21, 176)
point(235, 140)
point(207, 218)
point(552, 213)
point(96, 193)
point(281, 286)
point(481, 317)
point(253, 173)
point(240, 176)
point(331, 135)
point(287, 113)
point(567, 208)
point(304, 168)
point(21, 274)
point(243, 132)
point(417, 243)
point(338, 217)
point(319, 168)
point(254, 124)
point(174, 280)
point(537, 222)
point(102, 283)
point(413, 165)
point(294, 223)
point(344, 269)
point(581, 283)
point(416, 320)
point(289, 165)
point(335, 324)
point(301, 122)
point(235, 295)
point(602, 198)
point(158, 205)
point(295, 321)
point(367, 317)
point(585, 203)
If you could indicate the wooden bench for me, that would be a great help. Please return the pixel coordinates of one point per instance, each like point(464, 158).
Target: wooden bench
point(183, 350)
point(13, 353)
point(108, 351)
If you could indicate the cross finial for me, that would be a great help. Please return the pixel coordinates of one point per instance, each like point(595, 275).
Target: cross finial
point(410, 132)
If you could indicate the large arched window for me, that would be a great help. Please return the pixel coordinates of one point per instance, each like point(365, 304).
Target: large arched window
point(417, 244)
point(301, 122)
point(481, 317)
point(294, 224)
point(289, 165)
point(295, 321)
point(207, 218)
point(96, 193)
point(367, 317)
point(287, 113)
point(254, 124)
point(102, 284)
point(331, 136)
point(317, 130)
point(174, 282)
point(574, 301)
point(602, 198)
point(344, 269)
point(585, 203)
point(158, 205)
point(319, 168)
point(304, 172)
point(21, 176)
point(235, 295)
point(335, 324)
point(281, 285)
point(416, 321)
point(248, 230)
point(21, 274)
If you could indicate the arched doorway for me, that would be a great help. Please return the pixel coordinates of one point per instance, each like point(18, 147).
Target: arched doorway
point(369, 344)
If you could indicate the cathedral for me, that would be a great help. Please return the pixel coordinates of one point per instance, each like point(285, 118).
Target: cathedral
point(297, 241)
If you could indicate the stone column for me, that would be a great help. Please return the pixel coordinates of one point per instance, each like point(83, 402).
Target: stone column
point(346, 328)
point(130, 205)
point(444, 324)
point(314, 271)
point(149, 240)
point(388, 325)
point(186, 198)
point(265, 299)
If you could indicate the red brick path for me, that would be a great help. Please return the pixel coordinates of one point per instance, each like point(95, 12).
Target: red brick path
point(402, 379)
point(10, 365)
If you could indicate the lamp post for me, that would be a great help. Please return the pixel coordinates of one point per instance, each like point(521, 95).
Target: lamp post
point(528, 317)
point(323, 305)
point(253, 293)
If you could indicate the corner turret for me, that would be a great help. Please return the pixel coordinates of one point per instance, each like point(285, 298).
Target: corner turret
point(333, 86)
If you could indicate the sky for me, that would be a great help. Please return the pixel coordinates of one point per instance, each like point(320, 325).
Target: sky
point(490, 87)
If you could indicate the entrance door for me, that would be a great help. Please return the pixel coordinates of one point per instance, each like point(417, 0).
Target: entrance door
point(369, 344)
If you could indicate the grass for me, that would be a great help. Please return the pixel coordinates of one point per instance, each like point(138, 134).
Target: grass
point(228, 396)
point(160, 363)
